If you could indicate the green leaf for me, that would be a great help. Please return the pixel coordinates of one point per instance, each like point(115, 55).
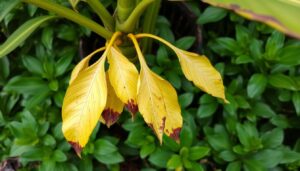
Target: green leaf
point(198, 152)
point(186, 136)
point(274, 43)
point(228, 155)
point(49, 140)
point(22, 33)
point(160, 157)
point(86, 164)
point(207, 110)
point(33, 65)
point(185, 42)
point(234, 166)
point(268, 158)
point(64, 61)
point(253, 165)
point(289, 55)
point(6, 7)
point(112, 158)
point(26, 85)
point(104, 147)
point(248, 135)
point(273, 138)
point(47, 37)
point(185, 99)
point(243, 59)
point(296, 102)
point(211, 14)
point(256, 85)
point(218, 138)
point(174, 162)
point(263, 110)
point(289, 156)
point(269, 12)
point(283, 81)
point(146, 150)
point(59, 156)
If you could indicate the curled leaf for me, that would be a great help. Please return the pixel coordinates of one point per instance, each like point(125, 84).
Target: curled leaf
point(123, 77)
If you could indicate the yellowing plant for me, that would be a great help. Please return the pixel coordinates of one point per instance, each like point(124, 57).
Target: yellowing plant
point(98, 95)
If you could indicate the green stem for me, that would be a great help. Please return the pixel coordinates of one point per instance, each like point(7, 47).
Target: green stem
point(71, 15)
point(124, 9)
point(101, 11)
point(148, 24)
point(129, 25)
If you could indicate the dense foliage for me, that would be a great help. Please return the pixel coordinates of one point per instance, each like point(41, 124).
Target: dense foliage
point(258, 130)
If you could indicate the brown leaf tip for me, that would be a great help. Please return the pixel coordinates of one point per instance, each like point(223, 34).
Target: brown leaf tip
point(175, 134)
point(110, 117)
point(76, 147)
point(132, 107)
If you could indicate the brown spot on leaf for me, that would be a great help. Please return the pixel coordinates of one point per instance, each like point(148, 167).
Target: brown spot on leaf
point(132, 107)
point(110, 117)
point(162, 126)
point(175, 134)
point(76, 147)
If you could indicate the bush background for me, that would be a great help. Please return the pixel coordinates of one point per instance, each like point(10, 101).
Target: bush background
point(257, 131)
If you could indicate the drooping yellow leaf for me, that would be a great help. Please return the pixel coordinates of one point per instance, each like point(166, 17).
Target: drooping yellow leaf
point(197, 69)
point(157, 101)
point(83, 104)
point(113, 108)
point(85, 100)
point(123, 77)
point(84, 63)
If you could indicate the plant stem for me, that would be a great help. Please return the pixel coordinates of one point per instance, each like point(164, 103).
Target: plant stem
point(129, 25)
point(101, 11)
point(71, 15)
point(148, 24)
point(124, 9)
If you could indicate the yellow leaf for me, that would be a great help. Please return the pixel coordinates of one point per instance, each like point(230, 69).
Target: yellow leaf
point(123, 77)
point(85, 100)
point(157, 101)
point(74, 3)
point(114, 106)
point(197, 69)
point(84, 63)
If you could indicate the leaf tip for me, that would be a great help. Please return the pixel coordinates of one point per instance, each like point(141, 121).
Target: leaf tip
point(175, 134)
point(132, 107)
point(76, 146)
point(110, 117)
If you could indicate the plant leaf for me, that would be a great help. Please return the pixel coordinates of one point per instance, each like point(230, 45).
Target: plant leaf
point(6, 7)
point(114, 106)
point(198, 69)
point(84, 63)
point(157, 101)
point(83, 104)
point(123, 77)
point(21, 34)
point(272, 13)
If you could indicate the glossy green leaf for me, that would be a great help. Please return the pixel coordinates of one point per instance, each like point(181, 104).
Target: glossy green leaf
point(274, 13)
point(211, 14)
point(22, 33)
point(283, 81)
point(272, 138)
point(7, 6)
point(256, 85)
point(296, 102)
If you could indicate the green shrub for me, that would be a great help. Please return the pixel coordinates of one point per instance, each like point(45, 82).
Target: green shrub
point(258, 130)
